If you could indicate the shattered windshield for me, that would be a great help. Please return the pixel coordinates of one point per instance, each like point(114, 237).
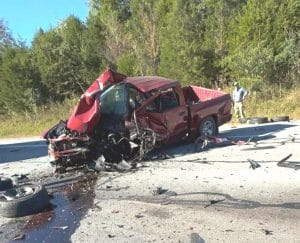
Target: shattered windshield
point(113, 100)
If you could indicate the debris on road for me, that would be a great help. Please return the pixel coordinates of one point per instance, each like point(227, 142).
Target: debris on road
point(283, 163)
point(19, 237)
point(138, 216)
point(268, 232)
point(60, 227)
point(293, 138)
point(211, 202)
point(96, 205)
point(159, 191)
point(162, 156)
point(19, 179)
point(204, 141)
point(123, 166)
point(284, 159)
point(23, 200)
point(253, 164)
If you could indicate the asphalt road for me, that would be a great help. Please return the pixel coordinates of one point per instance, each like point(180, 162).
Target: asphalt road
point(197, 195)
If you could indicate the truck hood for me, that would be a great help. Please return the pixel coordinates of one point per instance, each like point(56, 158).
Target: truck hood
point(86, 114)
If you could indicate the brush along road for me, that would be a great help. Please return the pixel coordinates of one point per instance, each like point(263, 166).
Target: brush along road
point(211, 194)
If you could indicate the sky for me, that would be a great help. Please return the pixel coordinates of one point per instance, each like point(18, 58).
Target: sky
point(24, 17)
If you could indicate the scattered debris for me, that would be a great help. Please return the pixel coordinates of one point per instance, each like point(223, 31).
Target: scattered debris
point(111, 236)
point(171, 193)
point(293, 138)
point(123, 166)
point(211, 202)
point(159, 191)
point(97, 206)
point(283, 163)
point(23, 200)
point(162, 156)
point(220, 141)
point(60, 227)
point(268, 232)
point(138, 216)
point(284, 159)
point(253, 164)
point(19, 237)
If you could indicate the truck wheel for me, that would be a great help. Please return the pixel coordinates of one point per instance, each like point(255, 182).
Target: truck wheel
point(23, 200)
point(208, 127)
point(280, 118)
point(258, 120)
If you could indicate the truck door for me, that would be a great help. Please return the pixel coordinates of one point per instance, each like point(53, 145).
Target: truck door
point(174, 115)
point(167, 117)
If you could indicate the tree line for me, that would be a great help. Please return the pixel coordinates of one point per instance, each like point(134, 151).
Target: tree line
point(201, 42)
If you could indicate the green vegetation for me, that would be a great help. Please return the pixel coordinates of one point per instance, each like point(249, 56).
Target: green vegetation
point(208, 43)
point(35, 123)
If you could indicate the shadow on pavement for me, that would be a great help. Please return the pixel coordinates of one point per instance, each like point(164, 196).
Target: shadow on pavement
point(22, 151)
point(256, 130)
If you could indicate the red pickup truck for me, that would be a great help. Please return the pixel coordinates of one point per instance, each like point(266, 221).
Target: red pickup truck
point(173, 112)
point(122, 117)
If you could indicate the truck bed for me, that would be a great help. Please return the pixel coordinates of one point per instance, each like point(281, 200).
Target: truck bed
point(195, 94)
point(204, 102)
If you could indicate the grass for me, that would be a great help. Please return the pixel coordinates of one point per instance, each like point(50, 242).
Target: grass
point(272, 102)
point(269, 103)
point(35, 123)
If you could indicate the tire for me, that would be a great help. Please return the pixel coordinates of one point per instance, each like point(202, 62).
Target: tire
point(5, 183)
point(280, 118)
point(34, 198)
point(208, 127)
point(243, 120)
point(258, 120)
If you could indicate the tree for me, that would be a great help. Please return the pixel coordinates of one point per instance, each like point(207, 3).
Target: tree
point(6, 38)
point(93, 48)
point(218, 14)
point(57, 53)
point(144, 32)
point(264, 41)
point(20, 87)
point(181, 56)
point(113, 15)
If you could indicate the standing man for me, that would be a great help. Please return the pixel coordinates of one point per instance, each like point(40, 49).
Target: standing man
point(238, 96)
